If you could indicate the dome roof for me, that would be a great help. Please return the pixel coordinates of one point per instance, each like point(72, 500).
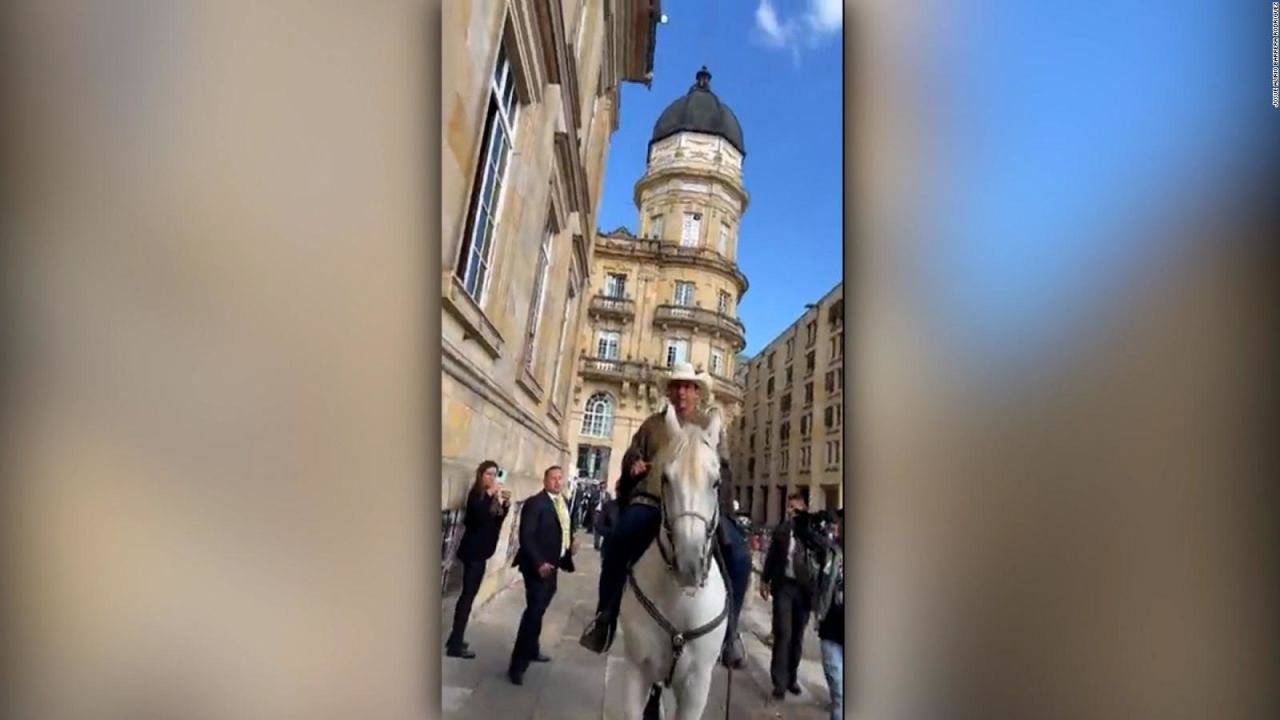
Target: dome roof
point(700, 111)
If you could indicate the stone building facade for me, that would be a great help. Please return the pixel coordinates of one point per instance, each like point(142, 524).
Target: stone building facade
point(530, 98)
point(790, 435)
point(669, 293)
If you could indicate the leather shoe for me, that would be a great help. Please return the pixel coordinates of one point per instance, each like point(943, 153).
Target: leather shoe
point(459, 652)
point(516, 678)
point(598, 636)
point(541, 658)
point(733, 656)
point(794, 688)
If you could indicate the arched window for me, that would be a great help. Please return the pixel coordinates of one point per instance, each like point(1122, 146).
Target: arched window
point(597, 420)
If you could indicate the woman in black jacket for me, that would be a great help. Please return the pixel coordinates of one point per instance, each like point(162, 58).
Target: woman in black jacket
point(487, 507)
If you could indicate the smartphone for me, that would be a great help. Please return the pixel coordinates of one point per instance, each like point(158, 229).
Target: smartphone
point(502, 476)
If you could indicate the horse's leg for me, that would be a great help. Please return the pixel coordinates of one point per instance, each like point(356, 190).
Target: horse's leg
point(635, 693)
point(653, 706)
point(691, 691)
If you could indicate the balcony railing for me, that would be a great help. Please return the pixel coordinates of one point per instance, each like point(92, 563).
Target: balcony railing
point(698, 318)
point(667, 252)
point(727, 389)
point(608, 305)
point(612, 370)
point(606, 369)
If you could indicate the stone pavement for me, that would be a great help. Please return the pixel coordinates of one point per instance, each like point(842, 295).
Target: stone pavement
point(578, 684)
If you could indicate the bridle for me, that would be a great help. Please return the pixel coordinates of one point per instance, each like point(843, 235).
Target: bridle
point(678, 638)
point(667, 548)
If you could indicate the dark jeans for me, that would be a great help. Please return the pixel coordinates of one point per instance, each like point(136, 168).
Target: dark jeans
point(636, 527)
point(538, 592)
point(472, 574)
point(791, 605)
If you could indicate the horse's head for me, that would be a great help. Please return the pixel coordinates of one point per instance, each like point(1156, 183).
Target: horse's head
point(690, 467)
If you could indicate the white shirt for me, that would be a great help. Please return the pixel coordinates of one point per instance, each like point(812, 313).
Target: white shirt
point(789, 568)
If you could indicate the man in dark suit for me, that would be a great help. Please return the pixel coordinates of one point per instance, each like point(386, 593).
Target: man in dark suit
point(784, 576)
point(546, 547)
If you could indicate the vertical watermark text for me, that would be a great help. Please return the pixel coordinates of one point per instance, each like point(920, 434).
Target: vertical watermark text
point(1275, 54)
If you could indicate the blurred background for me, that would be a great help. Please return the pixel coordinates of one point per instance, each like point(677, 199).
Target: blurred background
point(218, 420)
point(1064, 230)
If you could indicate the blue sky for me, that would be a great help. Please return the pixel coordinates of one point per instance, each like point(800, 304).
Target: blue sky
point(778, 65)
point(1077, 138)
point(1070, 140)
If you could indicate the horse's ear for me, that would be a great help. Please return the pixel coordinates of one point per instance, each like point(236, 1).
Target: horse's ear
point(673, 423)
point(714, 424)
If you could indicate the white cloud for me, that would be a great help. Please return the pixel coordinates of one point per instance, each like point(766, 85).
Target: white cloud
point(826, 15)
point(806, 27)
point(767, 20)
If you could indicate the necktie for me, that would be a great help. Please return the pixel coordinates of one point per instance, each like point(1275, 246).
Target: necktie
point(563, 513)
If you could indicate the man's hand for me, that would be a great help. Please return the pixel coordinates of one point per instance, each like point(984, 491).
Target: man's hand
point(546, 569)
point(764, 590)
point(639, 467)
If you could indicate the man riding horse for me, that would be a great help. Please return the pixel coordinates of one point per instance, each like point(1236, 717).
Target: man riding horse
point(640, 520)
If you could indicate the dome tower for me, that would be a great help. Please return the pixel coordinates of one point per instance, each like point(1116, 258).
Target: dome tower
point(691, 192)
point(668, 294)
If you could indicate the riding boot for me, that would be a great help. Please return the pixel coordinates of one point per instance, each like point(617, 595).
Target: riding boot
point(636, 528)
point(734, 655)
point(598, 637)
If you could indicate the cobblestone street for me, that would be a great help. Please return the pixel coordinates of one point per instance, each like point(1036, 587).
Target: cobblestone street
point(578, 684)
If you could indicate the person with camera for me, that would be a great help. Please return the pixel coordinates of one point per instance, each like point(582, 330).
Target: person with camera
point(793, 574)
point(487, 508)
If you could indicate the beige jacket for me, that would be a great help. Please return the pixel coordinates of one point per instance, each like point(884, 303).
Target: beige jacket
point(644, 446)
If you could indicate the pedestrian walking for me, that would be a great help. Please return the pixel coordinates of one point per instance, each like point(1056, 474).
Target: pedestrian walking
point(487, 507)
point(605, 519)
point(546, 547)
point(785, 576)
point(831, 631)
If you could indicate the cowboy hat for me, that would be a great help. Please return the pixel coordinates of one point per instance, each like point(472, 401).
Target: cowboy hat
point(684, 372)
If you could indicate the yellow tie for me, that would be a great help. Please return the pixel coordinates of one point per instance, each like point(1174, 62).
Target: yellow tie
point(563, 513)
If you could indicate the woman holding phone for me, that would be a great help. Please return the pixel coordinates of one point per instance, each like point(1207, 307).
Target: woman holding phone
point(487, 507)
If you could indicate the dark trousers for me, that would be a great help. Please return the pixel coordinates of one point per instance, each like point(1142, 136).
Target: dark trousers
point(636, 527)
point(538, 592)
point(472, 574)
point(791, 605)
point(733, 546)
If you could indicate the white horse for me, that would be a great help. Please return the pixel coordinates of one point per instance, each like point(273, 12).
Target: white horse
point(675, 607)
